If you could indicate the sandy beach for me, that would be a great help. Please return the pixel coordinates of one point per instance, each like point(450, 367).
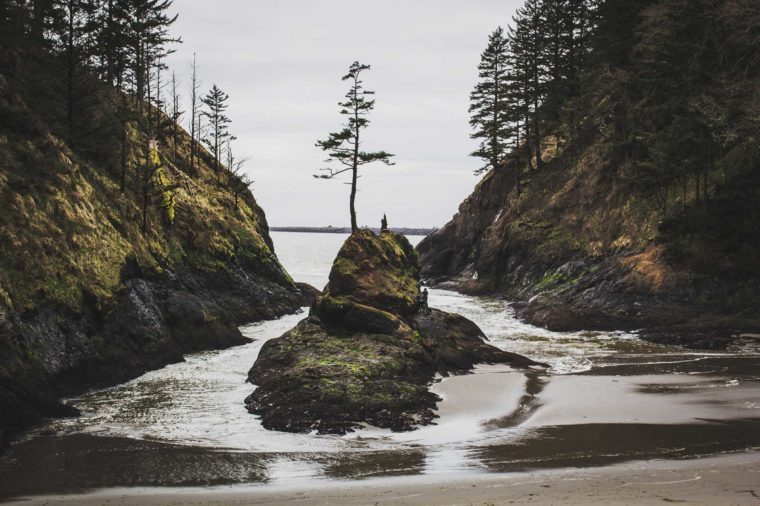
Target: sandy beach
point(728, 479)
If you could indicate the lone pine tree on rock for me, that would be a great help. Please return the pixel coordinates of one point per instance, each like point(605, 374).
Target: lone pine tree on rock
point(344, 147)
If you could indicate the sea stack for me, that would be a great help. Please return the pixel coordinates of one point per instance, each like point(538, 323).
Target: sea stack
point(366, 354)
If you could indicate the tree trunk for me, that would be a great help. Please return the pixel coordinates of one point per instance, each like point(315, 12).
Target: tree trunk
point(109, 43)
point(495, 136)
point(123, 157)
point(147, 173)
point(352, 201)
point(70, 76)
point(41, 8)
point(355, 170)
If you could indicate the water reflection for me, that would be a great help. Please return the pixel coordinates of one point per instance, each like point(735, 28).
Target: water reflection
point(529, 403)
point(79, 463)
point(591, 445)
point(356, 466)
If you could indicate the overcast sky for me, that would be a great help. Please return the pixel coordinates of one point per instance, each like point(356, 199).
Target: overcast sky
point(281, 63)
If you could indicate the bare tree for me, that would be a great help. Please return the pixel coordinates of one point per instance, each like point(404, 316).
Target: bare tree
point(239, 180)
point(195, 86)
point(176, 113)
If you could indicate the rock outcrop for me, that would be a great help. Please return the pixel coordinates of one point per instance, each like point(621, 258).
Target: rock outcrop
point(569, 265)
point(365, 354)
point(88, 296)
point(624, 216)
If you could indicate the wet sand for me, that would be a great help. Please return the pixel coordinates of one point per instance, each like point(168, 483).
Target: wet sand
point(726, 479)
point(520, 437)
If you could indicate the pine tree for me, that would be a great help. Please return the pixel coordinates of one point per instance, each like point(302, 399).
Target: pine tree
point(527, 44)
point(216, 103)
point(344, 147)
point(489, 104)
point(238, 180)
point(149, 40)
point(112, 41)
point(71, 22)
point(674, 141)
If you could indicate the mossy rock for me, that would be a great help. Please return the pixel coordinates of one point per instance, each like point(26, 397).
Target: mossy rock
point(378, 271)
point(353, 316)
point(365, 355)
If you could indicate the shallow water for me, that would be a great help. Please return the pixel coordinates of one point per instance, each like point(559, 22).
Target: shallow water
point(608, 397)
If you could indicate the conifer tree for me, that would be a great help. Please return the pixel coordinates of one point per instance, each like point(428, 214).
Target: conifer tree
point(216, 103)
point(71, 22)
point(112, 41)
point(344, 147)
point(149, 38)
point(675, 139)
point(527, 44)
point(238, 180)
point(489, 104)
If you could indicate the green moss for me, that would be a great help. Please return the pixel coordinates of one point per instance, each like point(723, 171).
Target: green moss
point(177, 253)
point(559, 279)
point(551, 278)
point(67, 227)
point(379, 271)
point(352, 367)
point(5, 299)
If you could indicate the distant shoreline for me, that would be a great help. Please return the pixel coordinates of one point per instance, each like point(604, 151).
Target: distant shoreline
point(347, 230)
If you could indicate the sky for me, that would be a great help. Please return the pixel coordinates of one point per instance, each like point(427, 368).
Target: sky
point(281, 63)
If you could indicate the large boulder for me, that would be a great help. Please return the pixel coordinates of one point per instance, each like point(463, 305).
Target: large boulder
point(379, 271)
point(365, 354)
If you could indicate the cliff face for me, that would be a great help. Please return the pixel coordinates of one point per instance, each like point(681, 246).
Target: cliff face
point(86, 297)
point(622, 226)
point(576, 250)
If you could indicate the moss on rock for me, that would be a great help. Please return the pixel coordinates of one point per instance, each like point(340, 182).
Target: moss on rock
point(378, 271)
point(365, 355)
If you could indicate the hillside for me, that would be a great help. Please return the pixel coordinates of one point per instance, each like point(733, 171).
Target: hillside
point(87, 298)
point(645, 216)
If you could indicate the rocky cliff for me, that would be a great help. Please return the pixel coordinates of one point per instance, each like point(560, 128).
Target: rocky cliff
point(638, 206)
point(366, 354)
point(87, 298)
point(577, 246)
point(577, 250)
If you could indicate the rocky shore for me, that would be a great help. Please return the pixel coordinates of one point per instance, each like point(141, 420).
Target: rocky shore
point(100, 282)
point(365, 354)
point(569, 267)
point(151, 322)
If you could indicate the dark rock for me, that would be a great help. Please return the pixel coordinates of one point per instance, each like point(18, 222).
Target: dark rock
point(706, 332)
point(379, 271)
point(365, 355)
point(51, 352)
point(582, 250)
point(309, 292)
